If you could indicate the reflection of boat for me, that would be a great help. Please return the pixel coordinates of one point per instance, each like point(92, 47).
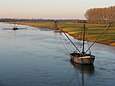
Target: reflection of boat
point(85, 69)
point(82, 56)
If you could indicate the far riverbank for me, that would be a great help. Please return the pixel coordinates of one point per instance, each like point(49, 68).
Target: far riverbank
point(74, 29)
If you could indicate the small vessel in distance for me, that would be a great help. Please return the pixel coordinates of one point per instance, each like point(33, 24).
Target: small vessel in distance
point(78, 56)
point(14, 28)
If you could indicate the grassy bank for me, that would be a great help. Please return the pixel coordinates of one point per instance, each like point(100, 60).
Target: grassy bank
point(74, 29)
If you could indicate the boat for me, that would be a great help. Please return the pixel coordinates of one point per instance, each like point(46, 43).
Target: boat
point(15, 28)
point(57, 28)
point(82, 57)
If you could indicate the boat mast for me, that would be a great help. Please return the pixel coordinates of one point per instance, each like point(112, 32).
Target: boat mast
point(84, 28)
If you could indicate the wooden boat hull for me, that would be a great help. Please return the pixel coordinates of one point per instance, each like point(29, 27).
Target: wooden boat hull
point(86, 59)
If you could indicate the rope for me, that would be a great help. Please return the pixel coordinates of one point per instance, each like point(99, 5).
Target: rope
point(58, 37)
point(58, 42)
point(63, 43)
point(57, 27)
point(69, 44)
point(98, 37)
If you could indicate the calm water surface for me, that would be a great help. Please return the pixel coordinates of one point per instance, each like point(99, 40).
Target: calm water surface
point(39, 57)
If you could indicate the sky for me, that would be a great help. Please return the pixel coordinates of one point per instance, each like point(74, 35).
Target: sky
point(50, 9)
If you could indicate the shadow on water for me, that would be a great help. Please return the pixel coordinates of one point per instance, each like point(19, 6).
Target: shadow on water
point(87, 70)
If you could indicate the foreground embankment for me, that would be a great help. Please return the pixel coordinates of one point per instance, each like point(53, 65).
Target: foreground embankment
point(74, 29)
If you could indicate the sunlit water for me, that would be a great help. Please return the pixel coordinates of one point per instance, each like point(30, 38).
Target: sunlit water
point(37, 57)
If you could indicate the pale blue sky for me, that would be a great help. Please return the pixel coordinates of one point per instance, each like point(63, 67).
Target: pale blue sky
point(49, 8)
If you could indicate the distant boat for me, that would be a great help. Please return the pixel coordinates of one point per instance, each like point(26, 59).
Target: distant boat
point(57, 28)
point(82, 57)
point(15, 28)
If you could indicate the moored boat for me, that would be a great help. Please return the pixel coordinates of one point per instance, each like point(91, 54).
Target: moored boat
point(82, 59)
point(15, 28)
point(82, 56)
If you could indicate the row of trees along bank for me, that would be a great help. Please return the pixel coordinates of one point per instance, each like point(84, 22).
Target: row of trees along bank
point(101, 15)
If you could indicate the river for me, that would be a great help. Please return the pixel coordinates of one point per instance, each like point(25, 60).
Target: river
point(37, 57)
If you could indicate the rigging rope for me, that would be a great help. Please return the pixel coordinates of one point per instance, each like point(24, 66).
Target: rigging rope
point(64, 45)
point(57, 27)
point(60, 40)
point(69, 44)
point(98, 38)
point(71, 41)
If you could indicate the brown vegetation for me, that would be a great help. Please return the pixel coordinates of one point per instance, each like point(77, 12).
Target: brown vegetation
point(101, 15)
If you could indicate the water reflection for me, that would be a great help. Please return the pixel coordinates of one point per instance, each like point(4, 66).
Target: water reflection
point(88, 70)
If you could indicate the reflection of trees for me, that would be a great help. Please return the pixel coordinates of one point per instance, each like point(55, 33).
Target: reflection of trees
point(101, 15)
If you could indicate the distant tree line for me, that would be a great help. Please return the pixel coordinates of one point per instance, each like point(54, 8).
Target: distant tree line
point(101, 15)
point(38, 20)
point(19, 20)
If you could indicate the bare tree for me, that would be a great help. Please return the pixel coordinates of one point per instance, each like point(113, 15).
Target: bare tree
point(101, 15)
